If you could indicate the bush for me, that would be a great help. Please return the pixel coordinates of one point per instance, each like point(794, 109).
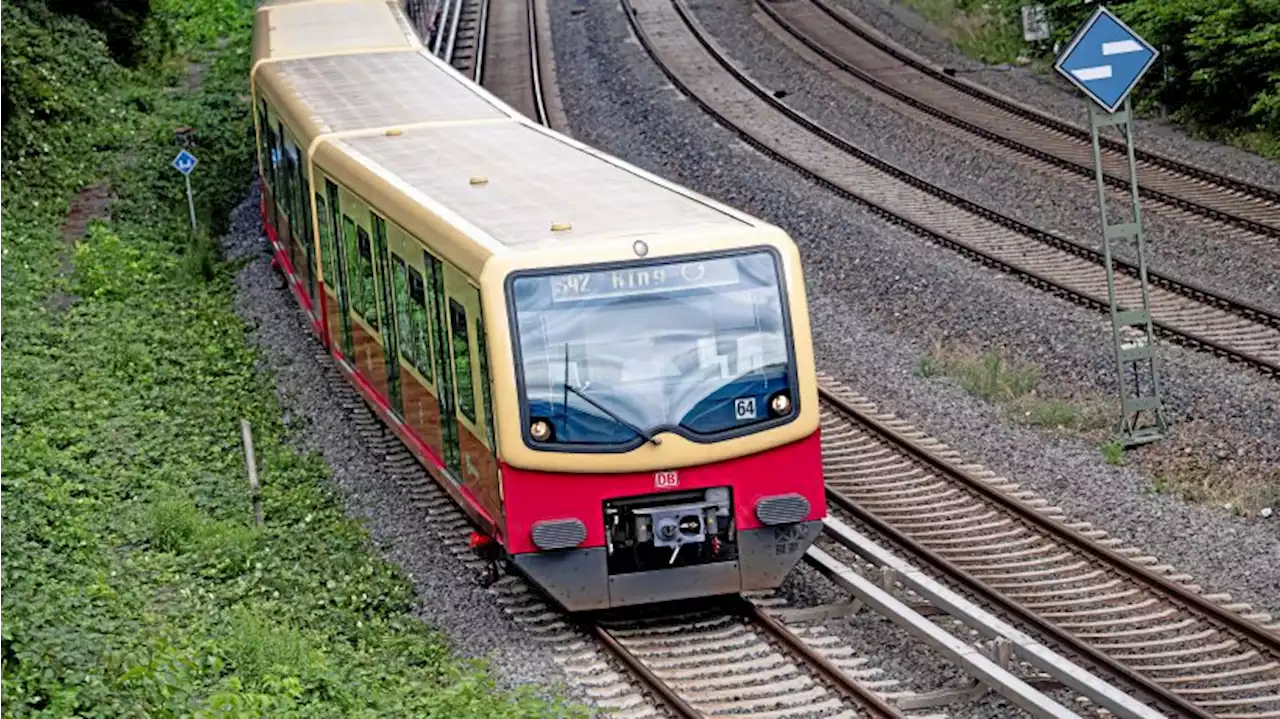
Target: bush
point(1219, 68)
point(120, 21)
point(1220, 59)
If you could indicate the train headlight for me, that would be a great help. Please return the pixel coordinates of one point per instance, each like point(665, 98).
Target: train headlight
point(540, 429)
point(780, 404)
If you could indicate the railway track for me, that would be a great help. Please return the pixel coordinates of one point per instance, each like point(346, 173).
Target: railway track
point(466, 40)
point(1192, 654)
point(497, 46)
point(741, 657)
point(1242, 211)
point(740, 661)
point(715, 658)
point(1180, 310)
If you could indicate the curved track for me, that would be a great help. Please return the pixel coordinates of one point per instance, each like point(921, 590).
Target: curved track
point(1242, 210)
point(1181, 310)
point(1193, 654)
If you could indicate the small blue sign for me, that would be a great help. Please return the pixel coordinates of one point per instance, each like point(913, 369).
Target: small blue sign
point(1106, 59)
point(185, 162)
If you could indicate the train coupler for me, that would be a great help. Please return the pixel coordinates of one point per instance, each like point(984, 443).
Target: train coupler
point(490, 551)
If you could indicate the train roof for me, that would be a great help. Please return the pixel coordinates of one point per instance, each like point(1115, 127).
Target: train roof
point(306, 28)
point(515, 181)
point(374, 91)
point(419, 133)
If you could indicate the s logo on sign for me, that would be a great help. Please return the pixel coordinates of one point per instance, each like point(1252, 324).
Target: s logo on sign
point(666, 480)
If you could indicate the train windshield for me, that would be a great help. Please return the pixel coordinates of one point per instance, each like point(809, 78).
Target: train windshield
point(610, 356)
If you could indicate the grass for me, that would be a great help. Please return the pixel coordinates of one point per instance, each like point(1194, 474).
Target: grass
point(1112, 452)
point(1014, 386)
point(135, 583)
point(978, 32)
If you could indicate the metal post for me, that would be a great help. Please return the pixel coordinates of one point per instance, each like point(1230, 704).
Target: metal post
point(251, 467)
point(191, 204)
point(1131, 359)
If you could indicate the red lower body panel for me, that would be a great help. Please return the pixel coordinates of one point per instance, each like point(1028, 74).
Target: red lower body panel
point(536, 496)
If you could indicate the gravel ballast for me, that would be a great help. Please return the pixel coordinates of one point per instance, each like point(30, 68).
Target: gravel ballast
point(1053, 95)
point(1044, 197)
point(879, 296)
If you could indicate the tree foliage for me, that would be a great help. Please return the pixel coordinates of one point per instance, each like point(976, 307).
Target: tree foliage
point(1220, 59)
point(1219, 69)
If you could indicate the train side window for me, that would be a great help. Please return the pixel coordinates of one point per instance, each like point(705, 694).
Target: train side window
point(264, 142)
point(341, 258)
point(484, 383)
point(462, 360)
point(411, 306)
point(273, 161)
point(421, 324)
point(281, 166)
point(353, 265)
point(368, 307)
point(401, 279)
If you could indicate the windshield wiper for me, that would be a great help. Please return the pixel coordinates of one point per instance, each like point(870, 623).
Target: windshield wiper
point(649, 437)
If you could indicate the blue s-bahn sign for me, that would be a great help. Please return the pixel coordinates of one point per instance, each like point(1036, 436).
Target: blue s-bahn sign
point(185, 162)
point(1106, 59)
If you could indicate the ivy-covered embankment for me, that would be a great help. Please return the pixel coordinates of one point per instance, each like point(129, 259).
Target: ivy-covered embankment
point(134, 580)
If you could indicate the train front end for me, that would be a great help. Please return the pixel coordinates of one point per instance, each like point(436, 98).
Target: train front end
point(661, 437)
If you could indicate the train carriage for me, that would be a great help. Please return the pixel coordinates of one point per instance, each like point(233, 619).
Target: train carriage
point(612, 375)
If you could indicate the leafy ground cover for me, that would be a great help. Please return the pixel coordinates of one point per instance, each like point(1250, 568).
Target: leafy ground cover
point(1218, 71)
point(134, 582)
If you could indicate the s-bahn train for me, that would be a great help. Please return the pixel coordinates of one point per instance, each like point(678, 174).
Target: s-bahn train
point(612, 375)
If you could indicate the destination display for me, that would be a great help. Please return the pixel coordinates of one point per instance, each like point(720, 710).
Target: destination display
point(625, 281)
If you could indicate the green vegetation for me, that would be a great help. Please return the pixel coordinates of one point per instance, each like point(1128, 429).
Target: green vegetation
point(1219, 70)
point(1112, 452)
point(979, 30)
point(1014, 386)
point(134, 581)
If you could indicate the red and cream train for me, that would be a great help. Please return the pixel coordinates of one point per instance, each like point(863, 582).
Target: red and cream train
point(611, 374)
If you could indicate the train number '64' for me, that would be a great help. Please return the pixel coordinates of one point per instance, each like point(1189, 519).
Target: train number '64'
point(666, 480)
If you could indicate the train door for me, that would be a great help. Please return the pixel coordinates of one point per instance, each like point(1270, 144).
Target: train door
point(281, 191)
point(386, 298)
point(339, 278)
point(266, 158)
point(441, 342)
point(306, 233)
point(273, 178)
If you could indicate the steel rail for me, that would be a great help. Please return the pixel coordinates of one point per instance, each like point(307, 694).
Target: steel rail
point(535, 65)
point(954, 119)
point(819, 664)
point(1171, 591)
point(482, 29)
point(438, 40)
point(988, 96)
point(652, 682)
point(453, 31)
point(994, 677)
point(1188, 289)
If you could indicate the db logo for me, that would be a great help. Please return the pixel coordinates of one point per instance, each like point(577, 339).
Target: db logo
point(666, 480)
